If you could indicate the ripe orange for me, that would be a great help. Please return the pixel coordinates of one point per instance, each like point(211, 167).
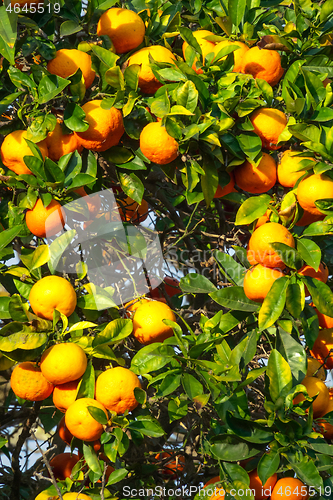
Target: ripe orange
point(263, 219)
point(157, 145)
point(28, 382)
point(268, 124)
point(238, 54)
point(313, 188)
point(60, 144)
point(215, 479)
point(14, 148)
point(93, 201)
point(315, 369)
point(321, 274)
point(206, 47)
point(229, 188)
point(264, 64)
point(148, 83)
point(115, 389)
point(325, 427)
point(314, 386)
point(259, 488)
point(124, 27)
point(75, 496)
point(52, 292)
point(62, 363)
point(65, 394)
point(45, 221)
point(62, 465)
point(63, 432)
point(290, 488)
point(79, 421)
point(308, 218)
point(258, 179)
point(148, 326)
point(173, 466)
point(132, 305)
point(324, 320)
point(171, 286)
point(259, 248)
point(68, 61)
point(287, 168)
point(105, 127)
point(322, 347)
point(259, 280)
point(131, 211)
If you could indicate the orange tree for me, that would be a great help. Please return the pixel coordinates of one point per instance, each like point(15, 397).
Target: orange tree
point(212, 122)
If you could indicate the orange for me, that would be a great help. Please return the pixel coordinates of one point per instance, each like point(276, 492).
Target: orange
point(62, 465)
point(62, 363)
point(22, 3)
point(289, 488)
point(79, 421)
point(322, 347)
point(148, 83)
point(148, 326)
point(259, 247)
point(132, 305)
point(324, 320)
point(63, 432)
point(259, 280)
point(321, 274)
point(313, 188)
point(308, 218)
point(264, 64)
point(115, 389)
point(325, 427)
point(14, 148)
point(287, 168)
point(314, 386)
point(93, 201)
point(219, 495)
point(124, 27)
point(171, 286)
point(330, 392)
point(28, 382)
point(131, 211)
point(65, 394)
point(60, 144)
point(173, 466)
point(263, 219)
point(229, 188)
point(68, 61)
point(238, 54)
point(157, 145)
point(105, 127)
point(206, 47)
point(52, 292)
point(259, 488)
point(45, 221)
point(75, 496)
point(215, 479)
point(258, 179)
point(268, 124)
point(315, 369)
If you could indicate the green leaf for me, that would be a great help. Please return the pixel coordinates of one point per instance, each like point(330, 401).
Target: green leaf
point(326, 10)
point(6, 101)
point(8, 235)
point(147, 425)
point(87, 383)
point(91, 458)
point(288, 255)
point(131, 75)
point(69, 28)
point(16, 308)
point(310, 252)
point(232, 268)
point(191, 385)
point(319, 228)
point(132, 186)
point(236, 11)
point(323, 115)
point(229, 447)
point(58, 247)
point(177, 409)
point(179, 110)
point(140, 395)
point(40, 257)
point(187, 36)
point(105, 56)
point(306, 470)
point(50, 86)
point(209, 181)
point(294, 353)
point(4, 308)
point(115, 78)
point(295, 299)
point(151, 358)
point(252, 209)
point(116, 476)
point(114, 332)
point(279, 373)
point(268, 465)
point(250, 144)
point(98, 414)
point(322, 295)
point(233, 297)
point(187, 96)
point(310, 325)
point(74, 118)
point(196, 283)
point(26, 340)
point(273, 304)
point(248, 430)
point(8, 34)
point(161, 105)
